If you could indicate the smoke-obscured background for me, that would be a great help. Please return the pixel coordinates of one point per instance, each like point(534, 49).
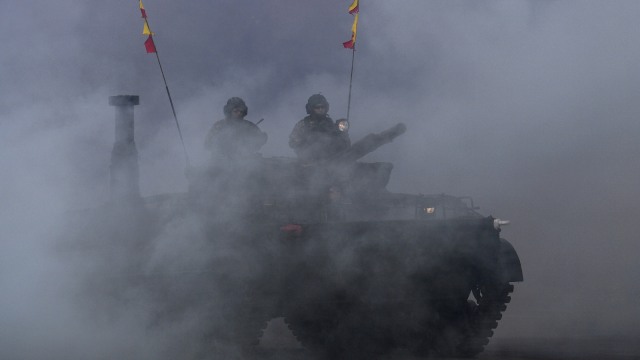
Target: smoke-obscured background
point(530, 107)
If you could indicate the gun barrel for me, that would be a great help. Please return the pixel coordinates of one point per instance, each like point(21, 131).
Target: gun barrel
point(394, 132)
point(373, 141)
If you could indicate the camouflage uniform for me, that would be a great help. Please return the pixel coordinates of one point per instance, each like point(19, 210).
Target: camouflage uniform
point(235, 138)
point(317, 137)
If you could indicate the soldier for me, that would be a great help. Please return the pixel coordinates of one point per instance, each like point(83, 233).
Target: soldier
point(317, 137)
point(234, 137)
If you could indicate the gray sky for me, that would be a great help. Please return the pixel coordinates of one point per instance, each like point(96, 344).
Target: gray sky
point(531, 107)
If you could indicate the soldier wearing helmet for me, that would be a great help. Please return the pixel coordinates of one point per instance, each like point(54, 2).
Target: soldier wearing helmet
point(317, 137)
point(233, 136)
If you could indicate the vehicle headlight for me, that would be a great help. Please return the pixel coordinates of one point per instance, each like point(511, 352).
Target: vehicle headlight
point(499, 223)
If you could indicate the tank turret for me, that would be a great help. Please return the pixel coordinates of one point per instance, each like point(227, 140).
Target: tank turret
point(282, 179)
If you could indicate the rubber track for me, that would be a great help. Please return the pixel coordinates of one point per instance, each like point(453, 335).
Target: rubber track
point(486, 317)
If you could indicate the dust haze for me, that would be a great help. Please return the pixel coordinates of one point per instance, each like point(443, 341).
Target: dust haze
point(530, 107)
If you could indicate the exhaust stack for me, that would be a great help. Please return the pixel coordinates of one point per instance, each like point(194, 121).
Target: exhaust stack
point(124, 172)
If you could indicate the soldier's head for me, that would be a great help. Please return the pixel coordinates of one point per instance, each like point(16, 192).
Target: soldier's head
point(317, 105)
point(235, 108)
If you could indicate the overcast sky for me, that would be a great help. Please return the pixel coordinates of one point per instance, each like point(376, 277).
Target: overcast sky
point(529, 106)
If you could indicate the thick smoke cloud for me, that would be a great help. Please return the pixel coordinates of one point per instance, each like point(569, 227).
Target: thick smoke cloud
point(528, 106)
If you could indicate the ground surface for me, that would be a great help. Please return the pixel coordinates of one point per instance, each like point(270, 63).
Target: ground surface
point(279, 343)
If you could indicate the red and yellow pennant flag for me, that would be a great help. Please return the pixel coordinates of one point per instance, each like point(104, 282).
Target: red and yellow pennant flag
point(146, 30)
point(354, 30)
point(354, 8)
point(144, 13)
point(149, 45)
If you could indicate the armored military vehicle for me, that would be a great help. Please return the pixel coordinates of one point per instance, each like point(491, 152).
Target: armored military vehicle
point(355, 270)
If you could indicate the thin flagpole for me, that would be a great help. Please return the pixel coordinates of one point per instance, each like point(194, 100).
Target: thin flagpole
point(353, 52)
point(166, 86)
point(173, 109)
point(353, 56)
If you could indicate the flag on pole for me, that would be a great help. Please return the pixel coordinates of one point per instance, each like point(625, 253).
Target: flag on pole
point(353, 9)
point(149, 45)
point(354, 29)
point(146, 30)
point(144, 13)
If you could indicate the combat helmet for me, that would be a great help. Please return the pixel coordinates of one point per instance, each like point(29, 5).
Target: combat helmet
point(316, 99)
point(235, 102)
